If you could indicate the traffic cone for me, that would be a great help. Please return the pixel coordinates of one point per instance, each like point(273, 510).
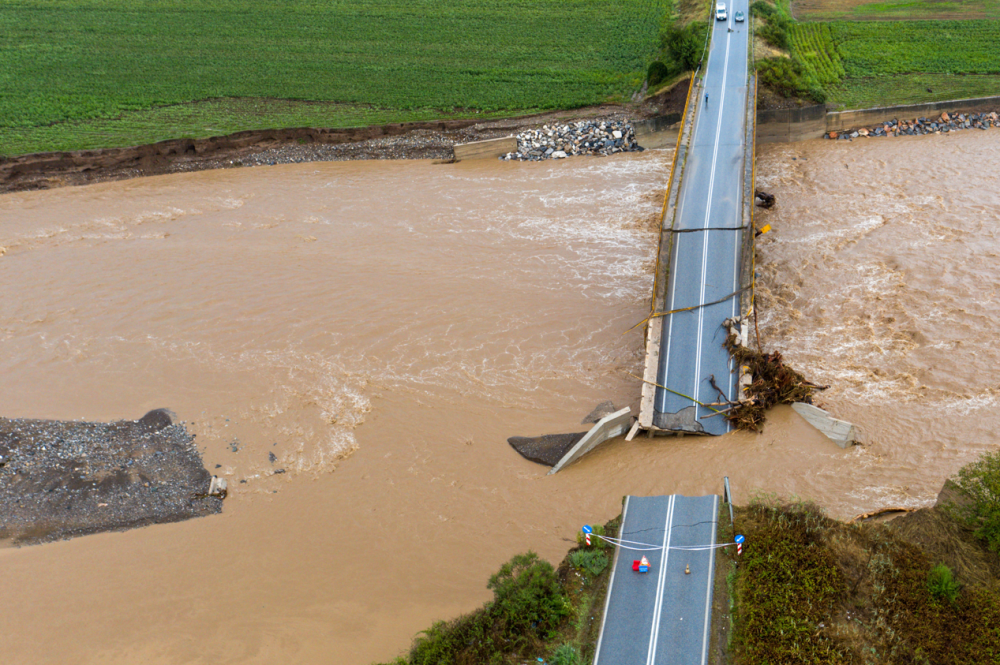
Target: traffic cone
point(644, 565)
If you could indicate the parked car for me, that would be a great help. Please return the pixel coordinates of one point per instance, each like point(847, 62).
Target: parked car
point(720, 12)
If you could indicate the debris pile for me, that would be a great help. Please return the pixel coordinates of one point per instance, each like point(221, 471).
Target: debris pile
point(586, 137)
point(772, 382)
point(943, 124)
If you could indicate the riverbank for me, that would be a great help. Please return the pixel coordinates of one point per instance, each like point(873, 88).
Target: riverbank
point(417, 140)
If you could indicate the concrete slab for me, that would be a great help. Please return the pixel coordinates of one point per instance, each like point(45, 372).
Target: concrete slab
point(606, 428)
point(841, 432)
point(488, 149)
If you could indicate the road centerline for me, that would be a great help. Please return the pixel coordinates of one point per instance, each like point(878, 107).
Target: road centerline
point(658, 604)
point(708, 213)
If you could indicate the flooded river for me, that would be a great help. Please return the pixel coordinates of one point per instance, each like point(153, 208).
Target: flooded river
point(381, 328)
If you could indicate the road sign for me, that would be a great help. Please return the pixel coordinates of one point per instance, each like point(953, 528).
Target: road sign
point(587, 529)
point(740, 538)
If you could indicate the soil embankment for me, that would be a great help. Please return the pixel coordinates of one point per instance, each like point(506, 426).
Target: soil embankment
point(414, 140)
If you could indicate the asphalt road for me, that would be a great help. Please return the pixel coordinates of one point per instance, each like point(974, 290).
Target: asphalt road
point(705, 264)
point(662, 616)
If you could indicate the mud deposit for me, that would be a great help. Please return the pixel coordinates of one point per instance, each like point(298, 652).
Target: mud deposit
point(60, 479)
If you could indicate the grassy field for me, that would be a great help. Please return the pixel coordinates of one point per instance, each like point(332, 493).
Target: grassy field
point(879, 63)
point(89, 73)
point(873, 10)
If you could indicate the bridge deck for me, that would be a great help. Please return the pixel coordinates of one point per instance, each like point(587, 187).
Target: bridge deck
point(704, 267)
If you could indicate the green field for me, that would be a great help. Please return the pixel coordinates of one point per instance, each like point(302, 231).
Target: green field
point(867, 64)
point(875, 10)
point(102, 73)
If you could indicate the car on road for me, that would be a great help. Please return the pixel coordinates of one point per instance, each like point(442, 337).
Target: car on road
point(738, 17)
point(720, 12)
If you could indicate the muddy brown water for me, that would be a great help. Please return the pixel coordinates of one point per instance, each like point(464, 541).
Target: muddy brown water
point(383, 327)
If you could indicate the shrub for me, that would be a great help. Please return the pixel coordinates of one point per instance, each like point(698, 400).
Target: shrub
point(566, 655)
point(528, 604)
point(981, 482)
point(657, 73)
point(528, 598)
point(685, 45)
point(788, 78)
point(942, 584)
point(594, 562)
point(762, 9)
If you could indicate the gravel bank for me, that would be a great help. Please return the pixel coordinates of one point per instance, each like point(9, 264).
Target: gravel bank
point(60, 479)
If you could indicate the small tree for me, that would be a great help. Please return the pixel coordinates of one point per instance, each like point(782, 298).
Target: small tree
point(981, 483)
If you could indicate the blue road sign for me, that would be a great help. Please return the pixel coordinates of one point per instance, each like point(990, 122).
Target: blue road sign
point(740, 538)
point(587, 529)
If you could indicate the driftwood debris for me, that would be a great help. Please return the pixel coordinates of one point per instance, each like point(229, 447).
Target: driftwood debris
point(773, 383)
point(766, 200)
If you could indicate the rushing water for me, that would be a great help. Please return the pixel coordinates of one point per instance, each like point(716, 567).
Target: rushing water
point(383, 327)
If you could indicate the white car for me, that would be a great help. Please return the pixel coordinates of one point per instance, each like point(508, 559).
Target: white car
point(720, 12)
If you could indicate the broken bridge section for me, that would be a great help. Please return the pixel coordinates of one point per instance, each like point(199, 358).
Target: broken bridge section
point(704, 270)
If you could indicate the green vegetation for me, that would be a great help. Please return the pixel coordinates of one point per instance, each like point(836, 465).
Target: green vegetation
point(942, 584)
point(536, 611)
point(867, 10)
point(919, 589)
point(592, 561)
point(77, 68)
point(866, 64)
point(980, 482)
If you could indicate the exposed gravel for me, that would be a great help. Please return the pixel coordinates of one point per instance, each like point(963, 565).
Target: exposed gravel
point(943, 124)
point(60, 479)
point(586, 137)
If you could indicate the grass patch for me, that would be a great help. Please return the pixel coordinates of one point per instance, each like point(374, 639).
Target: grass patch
point(868, 10)
point(921, 589)
point(869, 64)
point(70, 62)
point(214, 117)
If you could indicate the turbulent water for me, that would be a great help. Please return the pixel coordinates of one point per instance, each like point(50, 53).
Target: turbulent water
point(383, 327)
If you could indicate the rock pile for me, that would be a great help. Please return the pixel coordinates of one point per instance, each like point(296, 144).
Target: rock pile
point(943, 124)
point(586, 137)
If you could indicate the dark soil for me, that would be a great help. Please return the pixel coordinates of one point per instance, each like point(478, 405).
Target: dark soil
point(60, 479)
point(768, 99)
point(417, 140)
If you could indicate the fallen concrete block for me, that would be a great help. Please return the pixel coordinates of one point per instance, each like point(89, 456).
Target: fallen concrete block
point(606, 428)
point(841, 432)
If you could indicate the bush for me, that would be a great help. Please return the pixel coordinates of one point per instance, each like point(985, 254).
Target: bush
point(788, 78)
point(528, 598)
point(685, 45)
point(942, 584)
point(657, 73)
point(528, 605)
point(566, 655)
point(775, 31)
point(981, 482)
point(592, 561)
point(762, 9)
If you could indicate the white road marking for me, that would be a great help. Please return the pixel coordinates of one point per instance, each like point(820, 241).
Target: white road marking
point(658, 605)
point(708, 212)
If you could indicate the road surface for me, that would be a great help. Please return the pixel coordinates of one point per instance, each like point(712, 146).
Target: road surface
point(705, 264)
point(663, 616)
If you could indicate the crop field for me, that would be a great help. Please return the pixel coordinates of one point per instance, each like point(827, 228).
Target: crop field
point(880, 63)
point(103, 73)
point(894, 10)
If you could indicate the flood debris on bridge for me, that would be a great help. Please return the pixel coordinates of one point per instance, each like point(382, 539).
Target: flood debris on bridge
point(60, 479)
point(770, 381)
